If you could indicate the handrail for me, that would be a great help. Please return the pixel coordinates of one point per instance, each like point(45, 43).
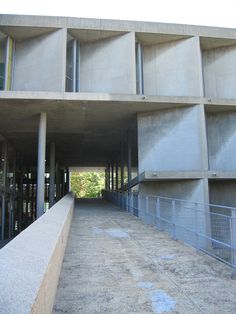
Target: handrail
point(201, 225)
point(182, 200)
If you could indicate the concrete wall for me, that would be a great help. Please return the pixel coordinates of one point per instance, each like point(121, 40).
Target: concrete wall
point(187, 214)
point(30, 264)
point(173, 69)
point(220, 72)
point(108, 65)
point(170, 140)
point(40, 63)
point(221, 133)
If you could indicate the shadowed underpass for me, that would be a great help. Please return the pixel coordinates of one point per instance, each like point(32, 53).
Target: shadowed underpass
point(115, 263)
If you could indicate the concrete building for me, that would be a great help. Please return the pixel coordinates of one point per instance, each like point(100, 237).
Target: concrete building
point(154, 104)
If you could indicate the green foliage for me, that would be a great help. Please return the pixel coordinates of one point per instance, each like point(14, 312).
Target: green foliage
point(87, 184)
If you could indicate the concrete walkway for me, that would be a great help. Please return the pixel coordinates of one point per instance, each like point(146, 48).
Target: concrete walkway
point(114, 263)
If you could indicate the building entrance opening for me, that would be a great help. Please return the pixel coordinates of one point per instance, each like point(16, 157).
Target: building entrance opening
point(87, 182)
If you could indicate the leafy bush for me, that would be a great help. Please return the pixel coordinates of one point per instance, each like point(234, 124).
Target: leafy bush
point(87, 184)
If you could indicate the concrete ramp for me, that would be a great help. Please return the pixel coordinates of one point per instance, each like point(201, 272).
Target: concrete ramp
point(115, 263)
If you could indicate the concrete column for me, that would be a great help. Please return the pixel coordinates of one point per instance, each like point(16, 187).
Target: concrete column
point(122, 168)
point(58, 183)
point(62, 182)
point(52, 175)
point(41, 164)
point(27, 198)
point(67, 180)
point(129, 163)
point(117, 175)
point(74, 65)
point(12, 203)
point(139, 56)
point(20, 199)
point(108, 177)
point(112, 176)
point(4, 159)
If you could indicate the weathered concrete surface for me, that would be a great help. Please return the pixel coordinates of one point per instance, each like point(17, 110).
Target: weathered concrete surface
point(40, 63)
point(167, 133)
point(30, 264)
point(114, 263)
point(116, 54)
point(173, 68)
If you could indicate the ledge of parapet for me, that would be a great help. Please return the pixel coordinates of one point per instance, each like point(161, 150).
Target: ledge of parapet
point(30, 264)
point(116, 25)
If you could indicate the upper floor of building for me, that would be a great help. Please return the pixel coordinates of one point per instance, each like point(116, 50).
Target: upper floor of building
point(57, 54)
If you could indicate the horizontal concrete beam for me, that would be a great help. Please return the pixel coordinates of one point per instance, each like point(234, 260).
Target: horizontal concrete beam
point(109, 97)
point(149, 176)
point(186, 175)
point(172, 175)
point(210, 103)
point(116, 25)
point(30, 264)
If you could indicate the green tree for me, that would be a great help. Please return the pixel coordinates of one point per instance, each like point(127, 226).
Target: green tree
point(87, 184)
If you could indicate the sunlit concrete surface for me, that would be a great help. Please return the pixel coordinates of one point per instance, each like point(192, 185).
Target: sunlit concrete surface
point(115, 263)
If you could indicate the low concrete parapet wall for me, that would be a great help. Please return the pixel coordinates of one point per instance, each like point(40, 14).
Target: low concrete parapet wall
point(30, 264)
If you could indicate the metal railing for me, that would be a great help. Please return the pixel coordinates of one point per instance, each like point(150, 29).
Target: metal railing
point(207, 227)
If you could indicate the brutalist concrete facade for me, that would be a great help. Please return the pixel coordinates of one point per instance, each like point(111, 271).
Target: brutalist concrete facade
point(153, 103)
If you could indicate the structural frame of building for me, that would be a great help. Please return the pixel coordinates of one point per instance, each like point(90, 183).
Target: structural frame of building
point(152, 103)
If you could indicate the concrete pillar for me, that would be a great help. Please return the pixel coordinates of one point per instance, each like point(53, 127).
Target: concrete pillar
point(122, 169)
point(62, 182)
point(12, 203)
point(4, 159)
point(106, 178)
point(52, 175)
point(27, 195)
point(112, 176)
point(109, 177)
point(20, 199)
point(41, 164)
point(129, 158)
point(58, 183)
point(117, 175)
point(139, 56)
point(67, 180)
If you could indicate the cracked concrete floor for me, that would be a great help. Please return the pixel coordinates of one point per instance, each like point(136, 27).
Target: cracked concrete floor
point(115, 263)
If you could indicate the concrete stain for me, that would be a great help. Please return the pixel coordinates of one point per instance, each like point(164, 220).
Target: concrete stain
point(145, 284)
point(161, 302)
point(97, 231)
point(167, 257)
point(115, 233)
